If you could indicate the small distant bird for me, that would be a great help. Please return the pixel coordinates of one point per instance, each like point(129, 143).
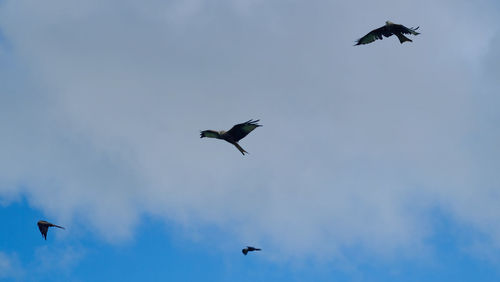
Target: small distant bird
point(249, 249)
point(44, 227)
point(235, 134)
point(387, 30)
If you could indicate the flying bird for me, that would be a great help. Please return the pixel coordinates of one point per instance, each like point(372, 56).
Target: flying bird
point(235, 134)
point(249, 249)
point(44, 227)
point(387, 30)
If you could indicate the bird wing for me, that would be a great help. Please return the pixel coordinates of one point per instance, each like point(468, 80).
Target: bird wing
point(209, 134)
point(241, 130)
point(244, 251)
point(399, 28)
point(53, 225)
point(373, 35)
point(253, 248)
point(43, 229)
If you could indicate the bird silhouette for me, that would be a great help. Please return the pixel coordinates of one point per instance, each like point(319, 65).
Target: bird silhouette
point(387, 30)
point(235, 134)
point(249, 249)
point(44, 227)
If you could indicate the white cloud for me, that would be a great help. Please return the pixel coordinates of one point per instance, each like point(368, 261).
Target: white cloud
point(101, 119)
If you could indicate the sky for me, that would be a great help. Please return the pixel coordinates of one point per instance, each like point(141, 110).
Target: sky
point(374, 163)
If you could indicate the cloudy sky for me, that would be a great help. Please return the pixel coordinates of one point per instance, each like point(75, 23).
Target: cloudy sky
point(374, 163)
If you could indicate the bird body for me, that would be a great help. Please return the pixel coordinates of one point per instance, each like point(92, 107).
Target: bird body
point(44, 227)
point(235, 134)
point(249, 249)
point(387, 30)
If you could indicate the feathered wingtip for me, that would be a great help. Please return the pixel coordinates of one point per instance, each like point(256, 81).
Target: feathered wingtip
point(253, 122)
point(414, 30)
point(209, 134)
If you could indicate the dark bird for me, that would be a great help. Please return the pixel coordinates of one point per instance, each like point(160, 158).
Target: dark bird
point(235, 134)
point(44, 227)
point(387, 30)
point(249, 249)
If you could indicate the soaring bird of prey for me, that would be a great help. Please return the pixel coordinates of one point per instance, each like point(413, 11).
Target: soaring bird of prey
point(387, 30)
point(235, 134)
point(249, 249)
point(44, 227)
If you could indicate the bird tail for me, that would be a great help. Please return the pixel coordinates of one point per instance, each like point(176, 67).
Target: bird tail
point(403, 38)
point(53, 225)
point(257, 249)
point(239, 148)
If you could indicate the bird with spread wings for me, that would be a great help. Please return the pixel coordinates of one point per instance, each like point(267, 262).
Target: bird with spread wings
point(387, 30)
point(235, 134)
point(44, 227)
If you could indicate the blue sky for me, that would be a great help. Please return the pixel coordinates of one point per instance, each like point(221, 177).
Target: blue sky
point(160, 252)
point(375, 163)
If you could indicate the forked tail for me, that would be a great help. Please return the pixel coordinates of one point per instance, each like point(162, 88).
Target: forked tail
point(239, 148)
point(403, 38)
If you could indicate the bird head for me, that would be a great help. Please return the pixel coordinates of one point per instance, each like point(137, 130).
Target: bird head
point(388, 23)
